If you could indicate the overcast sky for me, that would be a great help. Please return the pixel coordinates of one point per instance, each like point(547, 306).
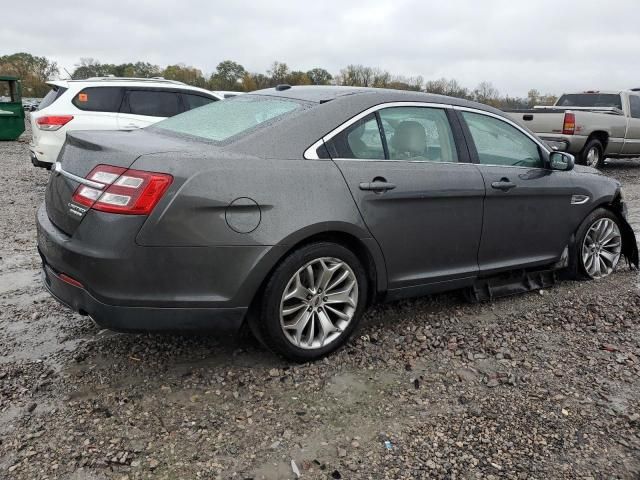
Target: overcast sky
point(550, 45)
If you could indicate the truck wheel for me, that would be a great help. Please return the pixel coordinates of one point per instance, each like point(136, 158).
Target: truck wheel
point(592, 154)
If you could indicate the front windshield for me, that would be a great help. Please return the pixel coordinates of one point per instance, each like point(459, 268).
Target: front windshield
point(219, 121)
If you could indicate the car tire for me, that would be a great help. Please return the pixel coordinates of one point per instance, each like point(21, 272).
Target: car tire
point(598, 246)
point(294, 295)
point(592, 154)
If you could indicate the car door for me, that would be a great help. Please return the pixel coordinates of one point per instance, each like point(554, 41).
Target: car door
point(146, 106)
point(527, 209)
point(632, 138)
point(417, 193)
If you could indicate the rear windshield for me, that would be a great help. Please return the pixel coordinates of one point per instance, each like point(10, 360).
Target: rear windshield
point(55, 93)
point(590, 100)
point(219, 121)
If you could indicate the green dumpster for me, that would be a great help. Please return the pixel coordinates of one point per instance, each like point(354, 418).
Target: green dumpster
point(11, 110)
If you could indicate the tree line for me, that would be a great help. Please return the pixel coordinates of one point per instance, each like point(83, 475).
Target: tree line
point(229, 75)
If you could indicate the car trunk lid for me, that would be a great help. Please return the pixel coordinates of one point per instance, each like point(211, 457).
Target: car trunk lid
point(82, 152)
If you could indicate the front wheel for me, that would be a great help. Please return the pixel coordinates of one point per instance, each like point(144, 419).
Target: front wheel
point(313, 302)
point(598, 246)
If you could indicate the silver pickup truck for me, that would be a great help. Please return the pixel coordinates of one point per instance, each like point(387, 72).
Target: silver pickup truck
point(591, 125)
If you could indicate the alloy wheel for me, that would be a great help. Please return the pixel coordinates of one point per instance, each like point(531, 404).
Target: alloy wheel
point(318, 303)
point(601, 248)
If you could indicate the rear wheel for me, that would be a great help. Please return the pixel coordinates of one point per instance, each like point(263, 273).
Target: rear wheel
point(312, 303)
point(598, 246)
point(593, 154)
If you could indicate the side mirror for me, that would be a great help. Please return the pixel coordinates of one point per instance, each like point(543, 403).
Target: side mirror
point(562, 161)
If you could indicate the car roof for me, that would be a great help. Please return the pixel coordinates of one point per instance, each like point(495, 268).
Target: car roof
point(324, 94)
point(327, 107)
point(595, 92)
point(130, 82)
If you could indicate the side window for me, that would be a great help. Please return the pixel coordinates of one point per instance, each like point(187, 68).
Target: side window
point(360, 140)
point(153, 103)
point(98, 99)
point(499, 143)
point(418, 133)
point(634, 102)
point(195, 101)
point(55, 93)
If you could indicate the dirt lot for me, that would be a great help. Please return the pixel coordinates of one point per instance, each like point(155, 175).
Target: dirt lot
point(544, 385)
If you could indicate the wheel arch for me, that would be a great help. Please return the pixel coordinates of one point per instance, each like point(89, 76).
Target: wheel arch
point(616, 206)
point(600, 135)
point(629, 243)
point(355, 239)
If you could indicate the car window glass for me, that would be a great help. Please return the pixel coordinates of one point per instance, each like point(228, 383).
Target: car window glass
point(153, 103)
point(55, 93)
point(360, 140)
point(195, 101)
point(610, 100)
point(499, 143)
point(98, 99)
point(219, 121)
point(634, 101)
point(418, 133)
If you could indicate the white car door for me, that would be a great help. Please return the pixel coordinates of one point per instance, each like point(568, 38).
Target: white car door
point(146, 106)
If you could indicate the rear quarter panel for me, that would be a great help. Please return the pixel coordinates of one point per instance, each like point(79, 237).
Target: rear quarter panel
point(291, 197)
point(615, 126)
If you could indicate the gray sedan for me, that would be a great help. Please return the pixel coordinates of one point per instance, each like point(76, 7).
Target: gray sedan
point(292, 209)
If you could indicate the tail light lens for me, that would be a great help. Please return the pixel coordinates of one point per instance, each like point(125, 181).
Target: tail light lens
point(51, 123)
point(133, 192)
point(569, 125)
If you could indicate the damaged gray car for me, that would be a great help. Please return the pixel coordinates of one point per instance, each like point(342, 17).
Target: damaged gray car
point(293, 209)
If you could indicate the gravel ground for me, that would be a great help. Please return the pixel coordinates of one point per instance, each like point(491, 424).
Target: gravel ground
point(544, 385)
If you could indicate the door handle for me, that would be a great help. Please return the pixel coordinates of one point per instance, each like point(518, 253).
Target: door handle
point(131, 126)
point(504, 184)
point(377, 186)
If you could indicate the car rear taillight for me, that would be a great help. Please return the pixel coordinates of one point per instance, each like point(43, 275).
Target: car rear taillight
point(132, 192)
point(569, 125)
point(53, 122)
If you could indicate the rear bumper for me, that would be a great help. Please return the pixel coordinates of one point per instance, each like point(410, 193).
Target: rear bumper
point(141, 319)
point(128, 287)
point(45, 152)
point(565, 143)
point(37, 163)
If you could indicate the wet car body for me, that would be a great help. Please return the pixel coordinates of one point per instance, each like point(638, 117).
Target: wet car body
point(235, 208)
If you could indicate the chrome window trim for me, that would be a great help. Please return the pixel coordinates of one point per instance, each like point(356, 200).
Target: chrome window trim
point(311, 153)
point(435, 162)
point(89, 183)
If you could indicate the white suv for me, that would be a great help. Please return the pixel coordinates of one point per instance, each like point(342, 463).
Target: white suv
point(107, 103)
